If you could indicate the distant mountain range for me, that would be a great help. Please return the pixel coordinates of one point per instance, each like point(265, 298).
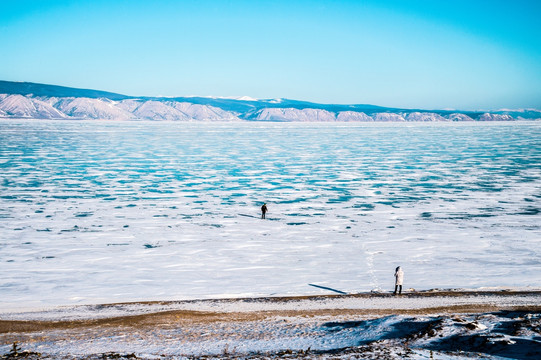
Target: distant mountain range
point(40, 101)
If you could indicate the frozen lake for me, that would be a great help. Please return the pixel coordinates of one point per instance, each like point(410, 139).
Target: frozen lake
point(94, 212)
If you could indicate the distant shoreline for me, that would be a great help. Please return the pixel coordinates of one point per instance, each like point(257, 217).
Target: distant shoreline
point(42, 101)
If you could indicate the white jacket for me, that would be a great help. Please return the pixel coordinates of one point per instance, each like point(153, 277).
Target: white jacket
point(399, 275)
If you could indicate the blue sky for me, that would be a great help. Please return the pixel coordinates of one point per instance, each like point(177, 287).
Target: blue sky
point(414, 54)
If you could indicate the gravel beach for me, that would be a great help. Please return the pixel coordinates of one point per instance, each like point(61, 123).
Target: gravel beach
point(417, 325)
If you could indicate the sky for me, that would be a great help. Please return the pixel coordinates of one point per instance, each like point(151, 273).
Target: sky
point(460, 54)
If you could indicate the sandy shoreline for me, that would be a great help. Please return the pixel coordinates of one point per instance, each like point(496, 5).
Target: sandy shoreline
point(338, 324)
point(422, 302)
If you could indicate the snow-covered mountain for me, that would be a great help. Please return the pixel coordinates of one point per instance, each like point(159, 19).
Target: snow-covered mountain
point(39, 101)
point(85, 108)
point(495, 117)
point(291, 114)
point(23, 106)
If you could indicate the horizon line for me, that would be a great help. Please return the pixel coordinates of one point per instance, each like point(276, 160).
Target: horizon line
point(249, 98)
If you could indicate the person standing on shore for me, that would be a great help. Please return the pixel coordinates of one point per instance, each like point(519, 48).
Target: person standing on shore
point(399, 279)
point(263, 210)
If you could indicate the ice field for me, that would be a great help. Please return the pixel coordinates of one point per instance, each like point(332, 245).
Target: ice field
point(100, 212)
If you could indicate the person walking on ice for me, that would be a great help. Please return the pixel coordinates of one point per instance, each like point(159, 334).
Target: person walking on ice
point(263, 210)
point(399, 280)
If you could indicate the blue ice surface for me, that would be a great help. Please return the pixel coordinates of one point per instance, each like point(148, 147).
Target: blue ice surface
point(455, 204)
